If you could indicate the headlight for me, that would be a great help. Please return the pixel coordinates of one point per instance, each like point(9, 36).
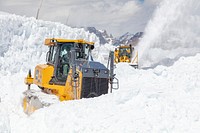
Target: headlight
point(86, 70)
point(106, 72)
point(37, 74)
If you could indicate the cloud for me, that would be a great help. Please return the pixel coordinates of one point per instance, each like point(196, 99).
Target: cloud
point(116, 16)
point(101, 14)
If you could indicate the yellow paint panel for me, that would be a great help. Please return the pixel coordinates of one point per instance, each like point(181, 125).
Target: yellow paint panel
point(28, 80)
point(43, 74)
point(53, 41)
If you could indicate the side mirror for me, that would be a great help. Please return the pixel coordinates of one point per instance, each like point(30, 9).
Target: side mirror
point(92, 47)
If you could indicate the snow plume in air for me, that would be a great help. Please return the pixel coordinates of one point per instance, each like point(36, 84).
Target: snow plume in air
point(172, 32)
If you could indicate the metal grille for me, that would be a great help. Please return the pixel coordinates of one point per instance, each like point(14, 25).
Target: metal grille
point(93, 87)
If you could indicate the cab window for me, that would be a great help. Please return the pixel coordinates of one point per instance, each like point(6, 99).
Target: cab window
point(51, 54)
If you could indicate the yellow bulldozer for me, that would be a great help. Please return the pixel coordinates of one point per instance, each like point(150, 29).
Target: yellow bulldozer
point(124, 53)
point(69, 73)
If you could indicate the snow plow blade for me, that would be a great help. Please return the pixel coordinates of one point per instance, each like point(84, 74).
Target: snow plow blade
point(30, 104)
point(34, 100)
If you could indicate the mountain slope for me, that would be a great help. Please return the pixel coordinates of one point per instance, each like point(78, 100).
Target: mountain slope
point(101, 34)
point(128, 38)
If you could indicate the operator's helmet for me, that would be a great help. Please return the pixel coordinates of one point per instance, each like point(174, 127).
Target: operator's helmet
point(65, 50)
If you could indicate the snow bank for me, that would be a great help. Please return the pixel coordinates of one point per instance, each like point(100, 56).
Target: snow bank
point(164, 99)
point(171, 33)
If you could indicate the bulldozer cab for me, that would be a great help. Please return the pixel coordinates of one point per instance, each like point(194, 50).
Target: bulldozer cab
point(126, 54)
point(123, 54)
point(125, 51)
point(59, 55)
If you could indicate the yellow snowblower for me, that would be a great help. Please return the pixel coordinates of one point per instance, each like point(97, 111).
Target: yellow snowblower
point(69, 74)
point(125, 53)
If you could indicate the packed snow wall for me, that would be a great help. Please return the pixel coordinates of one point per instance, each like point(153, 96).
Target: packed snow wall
point(172, 32)
point(22, 41)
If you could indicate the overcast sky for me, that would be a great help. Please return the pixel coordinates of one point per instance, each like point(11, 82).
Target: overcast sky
point(115, 16)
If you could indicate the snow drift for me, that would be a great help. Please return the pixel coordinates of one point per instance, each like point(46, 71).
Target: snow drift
point(173, 32)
